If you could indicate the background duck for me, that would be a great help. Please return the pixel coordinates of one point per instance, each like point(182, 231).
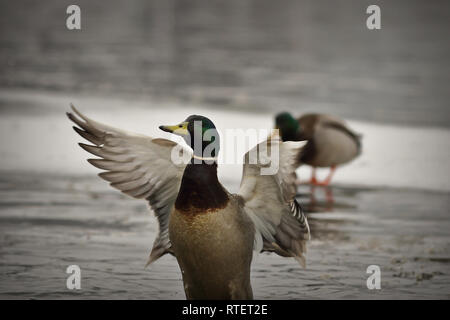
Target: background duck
point(330, 141)
point(211, 232)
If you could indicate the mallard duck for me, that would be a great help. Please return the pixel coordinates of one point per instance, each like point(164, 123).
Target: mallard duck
point(330, 141)
point(211, 232)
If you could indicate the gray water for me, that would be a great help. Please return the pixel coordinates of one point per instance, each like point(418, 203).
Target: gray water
point(241, 56)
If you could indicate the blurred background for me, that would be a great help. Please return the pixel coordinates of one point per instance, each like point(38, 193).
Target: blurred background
point(243, 55)
point(139, 64)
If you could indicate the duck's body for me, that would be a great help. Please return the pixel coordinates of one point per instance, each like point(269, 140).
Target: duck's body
point(212, 237)
point(211, 232)
point(330, 141)
point(214, 251)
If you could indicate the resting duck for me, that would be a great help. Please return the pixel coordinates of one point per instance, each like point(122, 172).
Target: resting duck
point(211, 232)
point(330, 141)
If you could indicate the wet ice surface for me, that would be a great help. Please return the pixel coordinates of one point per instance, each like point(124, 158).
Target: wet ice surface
point(50, 222)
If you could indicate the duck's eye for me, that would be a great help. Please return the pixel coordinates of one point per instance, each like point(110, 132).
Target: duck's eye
point(180, 126)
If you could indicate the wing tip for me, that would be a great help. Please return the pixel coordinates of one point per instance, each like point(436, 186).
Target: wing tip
point(73, 108)
point(97, 163)
point(78, 113)
point(71, 117)
point(149, 262)
point(301, 260)
point(77, 130)
point(90, 148)
point(157, 252)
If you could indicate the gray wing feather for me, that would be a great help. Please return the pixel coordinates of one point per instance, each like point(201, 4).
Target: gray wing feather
point(280, 223)
point(137, 165)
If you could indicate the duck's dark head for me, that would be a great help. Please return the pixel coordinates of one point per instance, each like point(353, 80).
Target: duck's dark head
point(200, 134)
point(288, 126)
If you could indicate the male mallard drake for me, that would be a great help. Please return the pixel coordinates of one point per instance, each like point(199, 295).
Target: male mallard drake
point(210, 232)
point(330, 141)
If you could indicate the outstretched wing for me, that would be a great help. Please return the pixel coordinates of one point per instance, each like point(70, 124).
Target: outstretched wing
point(137, 165)
point(280, 224)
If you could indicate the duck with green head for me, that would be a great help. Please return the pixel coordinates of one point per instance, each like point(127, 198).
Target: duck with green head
point(330, 141)
point(211, 232)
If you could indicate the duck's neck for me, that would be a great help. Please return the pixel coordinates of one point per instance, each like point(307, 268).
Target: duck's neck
point(200, 190)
